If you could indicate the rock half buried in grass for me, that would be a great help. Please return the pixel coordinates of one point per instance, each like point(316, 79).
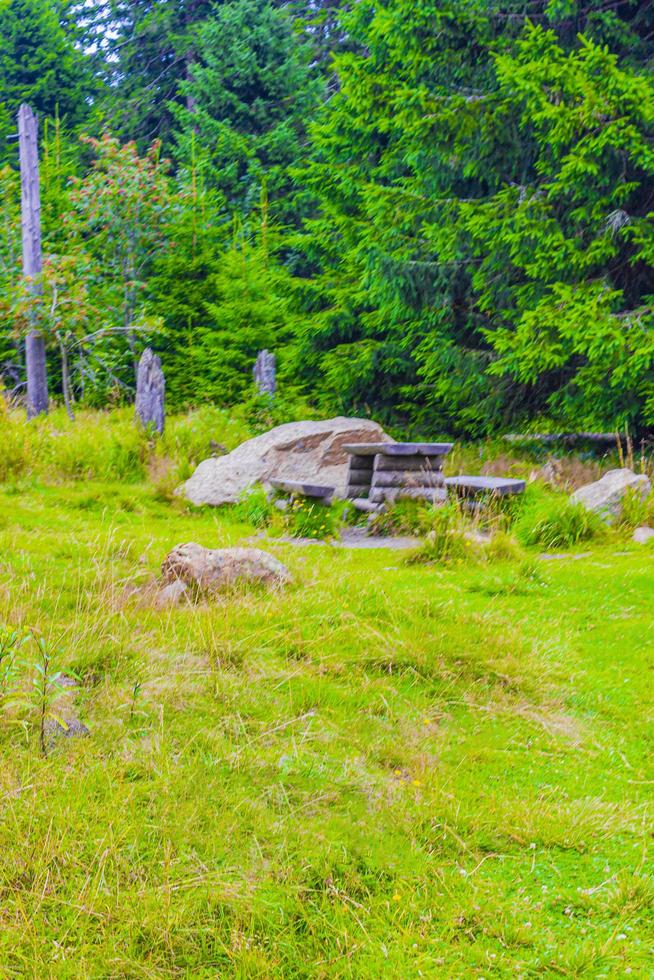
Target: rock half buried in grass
point(308, 451)
point(605, 497)
point(65, 728)
point(207, 570)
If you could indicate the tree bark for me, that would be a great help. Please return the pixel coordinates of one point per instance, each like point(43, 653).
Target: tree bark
point(37, 379)
point(150, 392)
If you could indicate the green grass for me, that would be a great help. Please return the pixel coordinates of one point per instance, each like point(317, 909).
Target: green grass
point(386, 770)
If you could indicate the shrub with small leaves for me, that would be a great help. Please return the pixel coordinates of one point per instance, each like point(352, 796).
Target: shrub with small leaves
point(254, 507)
point(306, 518)
point(557, 522)
point(11, 641)
point(46, 688)
point(446, 541)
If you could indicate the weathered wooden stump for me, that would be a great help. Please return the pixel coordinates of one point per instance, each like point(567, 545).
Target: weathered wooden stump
point(37, 379)
point(265, 373)
point(150, 392)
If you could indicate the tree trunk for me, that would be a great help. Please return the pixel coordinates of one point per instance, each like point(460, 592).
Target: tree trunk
point(265, 373)
point(37, 379)
point(150, 391)
point(65, 379)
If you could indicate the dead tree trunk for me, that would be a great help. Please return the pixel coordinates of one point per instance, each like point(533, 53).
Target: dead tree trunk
point(150, 391)
point(265, 373)
point(37, 379)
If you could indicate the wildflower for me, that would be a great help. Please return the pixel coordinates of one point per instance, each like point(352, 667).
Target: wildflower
point(416, 782)
point(396, 897)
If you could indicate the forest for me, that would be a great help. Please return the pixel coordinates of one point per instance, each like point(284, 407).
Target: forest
point(437, 213)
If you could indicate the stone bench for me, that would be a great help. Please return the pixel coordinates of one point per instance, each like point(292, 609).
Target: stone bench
point(476, 486)
point(299, 488)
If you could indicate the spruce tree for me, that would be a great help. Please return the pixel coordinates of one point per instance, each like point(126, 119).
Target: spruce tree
point(423, 162)
point(248, 102)
point(40, 65)
point(148, 47)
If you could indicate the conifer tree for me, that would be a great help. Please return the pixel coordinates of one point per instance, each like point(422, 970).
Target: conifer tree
point(40, 65)
point(248, 102)
point(426, 140)
point(148, 47)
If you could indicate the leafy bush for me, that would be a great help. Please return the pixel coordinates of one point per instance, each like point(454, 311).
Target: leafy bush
point(446, 541)
point(410, 517)
point(636, 511)
point(557, 522)
point(306, 518)
point(254, 507)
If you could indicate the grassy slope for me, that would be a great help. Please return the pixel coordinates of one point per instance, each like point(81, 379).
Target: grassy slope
point(386, 770)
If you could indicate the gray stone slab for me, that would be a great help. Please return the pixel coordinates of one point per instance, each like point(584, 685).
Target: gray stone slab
point(472, 485)
point(399, 448)
point(303, 489)
point(413, 479)
point(420, 463)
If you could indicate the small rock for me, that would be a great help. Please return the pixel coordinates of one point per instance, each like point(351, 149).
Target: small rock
point(549, 473)
point(66, 728)
point(211, 570)
point(605, 496)
point(643, 534)
point(477, 537)
point(170, 594)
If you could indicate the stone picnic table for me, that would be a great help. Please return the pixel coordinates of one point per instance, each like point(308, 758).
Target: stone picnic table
point(383, 471)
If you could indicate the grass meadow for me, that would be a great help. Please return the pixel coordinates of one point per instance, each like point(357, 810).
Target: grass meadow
point(385, 770)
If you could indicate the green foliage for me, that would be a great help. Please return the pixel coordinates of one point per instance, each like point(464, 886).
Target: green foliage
point(307, 518)
point(142, 50)
point(405, 517)
point(446, 541)
point(254, 507)
point(636, 511)
point(109, 446)
point(557, 522)
point(40, 65)
point(11, 642)
point(249, 307)
point(249, 97)
point(484, 248)
point(449, 226)
point(45, 690)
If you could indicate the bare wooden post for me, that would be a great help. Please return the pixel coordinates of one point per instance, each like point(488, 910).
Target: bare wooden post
point(37, 379)
point(265, 373)
point(150, 391)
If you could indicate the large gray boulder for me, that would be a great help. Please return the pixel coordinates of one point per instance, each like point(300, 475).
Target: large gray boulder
point(605, 496)
point(207, 570)
point(308, 451)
